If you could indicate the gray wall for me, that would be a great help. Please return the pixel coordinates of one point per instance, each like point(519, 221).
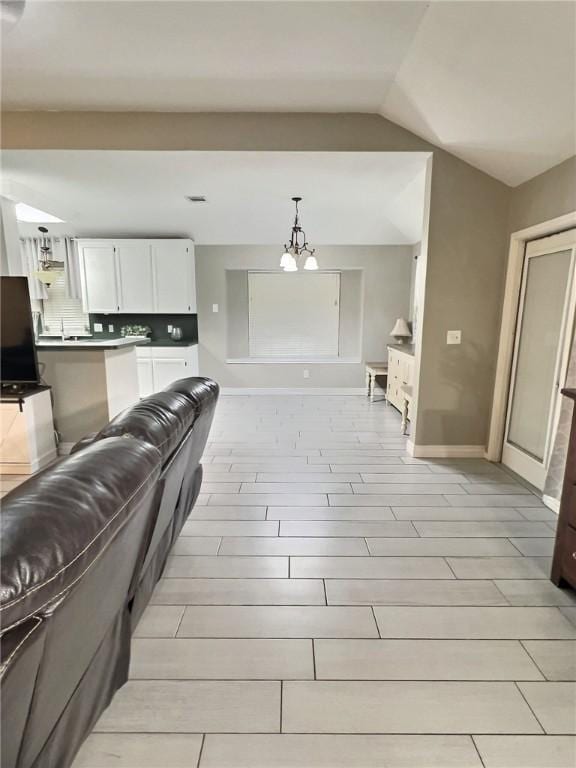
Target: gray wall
point(467, 242)
point(545, 197)
point(380, 274)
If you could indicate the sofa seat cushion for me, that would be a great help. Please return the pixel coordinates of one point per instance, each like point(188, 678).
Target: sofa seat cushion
point(57, 524)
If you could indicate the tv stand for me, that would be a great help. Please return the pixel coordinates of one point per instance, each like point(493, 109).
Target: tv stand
point(27, 441)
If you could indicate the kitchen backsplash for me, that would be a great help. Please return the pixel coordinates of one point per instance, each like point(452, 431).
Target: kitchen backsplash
point(158, 323)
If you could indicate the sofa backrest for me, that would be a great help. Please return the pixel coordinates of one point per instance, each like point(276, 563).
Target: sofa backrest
point(73, 541)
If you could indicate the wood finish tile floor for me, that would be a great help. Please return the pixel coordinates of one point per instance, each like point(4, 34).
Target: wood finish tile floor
point(334, 603)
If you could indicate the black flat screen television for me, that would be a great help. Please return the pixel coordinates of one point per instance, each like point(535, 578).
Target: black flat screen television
point(18, 364)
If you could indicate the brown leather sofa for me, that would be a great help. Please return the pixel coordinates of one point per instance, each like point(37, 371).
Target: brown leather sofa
point(83, 545)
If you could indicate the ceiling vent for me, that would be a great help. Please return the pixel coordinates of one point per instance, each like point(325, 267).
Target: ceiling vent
point(196, 198)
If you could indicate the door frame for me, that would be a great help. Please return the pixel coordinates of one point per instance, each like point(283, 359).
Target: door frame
point(512, 290)
point(516, 458)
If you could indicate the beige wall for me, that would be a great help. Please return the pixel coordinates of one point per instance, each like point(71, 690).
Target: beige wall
point(467, 231)
point(385, 295)
point(545, 197)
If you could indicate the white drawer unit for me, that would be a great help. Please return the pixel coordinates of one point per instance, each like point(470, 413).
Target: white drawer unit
point(138, 275)
point(400, 373)
point(160, 366)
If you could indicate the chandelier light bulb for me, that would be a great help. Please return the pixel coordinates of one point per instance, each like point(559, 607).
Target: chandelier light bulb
point(285, 260)
point(311, 263)
point(291, 266)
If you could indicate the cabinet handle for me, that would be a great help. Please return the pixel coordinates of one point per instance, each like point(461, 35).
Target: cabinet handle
point(574, 555)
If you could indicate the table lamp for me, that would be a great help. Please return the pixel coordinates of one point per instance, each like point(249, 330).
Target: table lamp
point(401, 332)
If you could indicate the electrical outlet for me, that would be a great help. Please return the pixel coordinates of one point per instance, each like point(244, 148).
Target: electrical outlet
point(169, 328)
point(306, 373)
point(110, 328)
point(453, 337)
point(98, 327)
point(214, 307)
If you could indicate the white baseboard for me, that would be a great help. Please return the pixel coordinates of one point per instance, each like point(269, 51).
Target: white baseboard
point(446, 451)
point(551, 503)
point(293, 391)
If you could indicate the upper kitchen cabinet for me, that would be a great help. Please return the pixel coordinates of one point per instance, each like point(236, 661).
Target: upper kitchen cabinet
point(175, 276)
point(98, 276)
point(138, 275)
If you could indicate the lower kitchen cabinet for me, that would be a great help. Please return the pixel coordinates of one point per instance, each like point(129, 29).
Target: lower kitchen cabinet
point(160, 366)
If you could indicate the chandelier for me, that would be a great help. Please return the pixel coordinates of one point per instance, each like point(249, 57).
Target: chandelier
point(298, 248)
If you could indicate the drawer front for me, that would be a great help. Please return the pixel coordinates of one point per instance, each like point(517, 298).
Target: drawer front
point(569, 555)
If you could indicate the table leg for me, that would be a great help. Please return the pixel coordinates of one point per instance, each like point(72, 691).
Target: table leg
point(404, 424)
point(367, 383)
point(372, 383)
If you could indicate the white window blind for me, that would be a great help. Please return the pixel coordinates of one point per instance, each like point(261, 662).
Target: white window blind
point(294, 315)
point(58, 306)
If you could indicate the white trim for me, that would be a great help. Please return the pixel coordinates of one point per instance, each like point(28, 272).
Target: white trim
point(551, 503)
point(292, 361)
point(293, 391)
point(446, 451)
point(508, 324)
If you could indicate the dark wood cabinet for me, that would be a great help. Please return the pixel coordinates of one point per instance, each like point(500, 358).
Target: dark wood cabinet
point(564, 562)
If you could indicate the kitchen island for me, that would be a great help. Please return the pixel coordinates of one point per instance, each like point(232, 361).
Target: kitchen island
point(92, 381)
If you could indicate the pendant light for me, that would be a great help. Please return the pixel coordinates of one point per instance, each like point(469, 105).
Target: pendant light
point(298, 247)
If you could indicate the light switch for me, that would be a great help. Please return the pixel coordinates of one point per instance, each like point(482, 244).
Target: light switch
point(110, 328)
point(214, 307)
point(306, 373)
point(169, 328)
point(453, 337)
point(98, 327)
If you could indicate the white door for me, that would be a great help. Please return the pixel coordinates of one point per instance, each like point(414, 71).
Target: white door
point(174, 275)
point(145, 377)
point(99, 278)
point(168, 370)
point(135, 271)
point(543, 336)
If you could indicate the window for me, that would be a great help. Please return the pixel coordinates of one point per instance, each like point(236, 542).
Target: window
point(294, 316)
point(58, 306)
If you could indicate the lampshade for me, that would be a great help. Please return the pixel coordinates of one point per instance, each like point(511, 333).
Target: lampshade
point(311, 263)
point(401, 329)
point(291, 266)
point(47, 276)
point(285, 260)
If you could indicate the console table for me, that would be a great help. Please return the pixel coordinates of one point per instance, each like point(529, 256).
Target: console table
point(373, 370)
point(564, 562)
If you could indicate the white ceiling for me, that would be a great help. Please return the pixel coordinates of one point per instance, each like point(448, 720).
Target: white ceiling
point(493, 82)
point(350, 198)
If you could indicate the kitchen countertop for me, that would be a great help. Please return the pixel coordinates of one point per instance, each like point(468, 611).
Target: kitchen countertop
point(92, 344)
point(172, 343)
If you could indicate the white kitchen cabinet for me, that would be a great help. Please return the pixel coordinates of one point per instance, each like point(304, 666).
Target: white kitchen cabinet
point(145, 377)
point(138, 275)
point(166, 371)
point(160, 366)
point(174, 275)
point(99, 276)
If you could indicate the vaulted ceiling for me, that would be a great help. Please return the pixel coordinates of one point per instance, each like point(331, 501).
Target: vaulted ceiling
point(492, 82)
